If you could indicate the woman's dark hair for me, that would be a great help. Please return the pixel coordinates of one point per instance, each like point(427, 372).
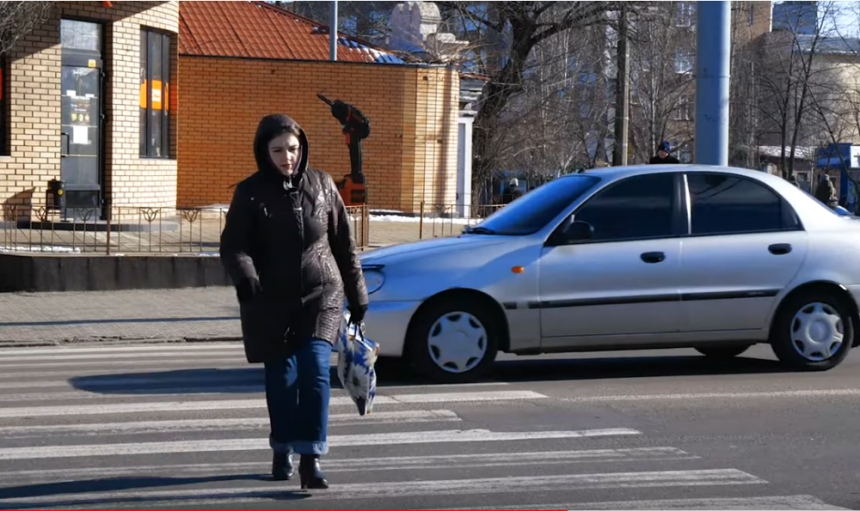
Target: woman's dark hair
point(292, 130)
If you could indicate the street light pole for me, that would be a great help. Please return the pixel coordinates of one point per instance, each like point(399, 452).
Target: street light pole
point(622, 92)
point(333, 32)
point(713, 52)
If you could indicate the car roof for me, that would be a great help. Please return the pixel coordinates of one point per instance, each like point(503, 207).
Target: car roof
point(629, 170)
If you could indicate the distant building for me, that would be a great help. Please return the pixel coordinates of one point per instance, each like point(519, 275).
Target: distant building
point(796, 17)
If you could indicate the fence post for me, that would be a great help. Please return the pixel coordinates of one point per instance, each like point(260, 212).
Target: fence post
point(365, 229)
point(108, 224)
point(421, 221)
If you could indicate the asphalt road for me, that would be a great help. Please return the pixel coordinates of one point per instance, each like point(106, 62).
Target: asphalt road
point(184, 427)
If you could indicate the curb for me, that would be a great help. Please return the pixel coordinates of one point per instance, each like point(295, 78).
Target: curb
point(114, 341)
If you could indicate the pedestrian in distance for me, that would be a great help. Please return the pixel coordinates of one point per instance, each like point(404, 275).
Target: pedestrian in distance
point(663, 155)
point(289, 251)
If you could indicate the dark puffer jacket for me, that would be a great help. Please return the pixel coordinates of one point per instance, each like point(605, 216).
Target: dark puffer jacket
point(288, 248)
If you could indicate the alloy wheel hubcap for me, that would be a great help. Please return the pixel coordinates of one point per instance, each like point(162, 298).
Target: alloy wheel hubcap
point(817, 332)
point(457, 342)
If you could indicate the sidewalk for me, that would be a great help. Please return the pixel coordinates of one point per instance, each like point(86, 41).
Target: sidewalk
point(162, 315)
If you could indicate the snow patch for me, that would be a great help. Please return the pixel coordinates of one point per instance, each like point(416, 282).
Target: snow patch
point(415, 220)
point(383, 215)
point(52, 249)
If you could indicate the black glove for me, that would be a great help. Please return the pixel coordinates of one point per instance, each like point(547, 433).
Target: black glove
point(248, 290)
point(356, 314)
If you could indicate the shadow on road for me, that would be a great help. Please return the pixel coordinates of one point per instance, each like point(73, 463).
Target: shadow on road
point(118, 484)
point(392, 372)
point(628, 367)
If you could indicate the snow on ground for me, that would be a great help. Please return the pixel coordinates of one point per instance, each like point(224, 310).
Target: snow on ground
point(415, 219)
point(385, 215)
point(36, 248)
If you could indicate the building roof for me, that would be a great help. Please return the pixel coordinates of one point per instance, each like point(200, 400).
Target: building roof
point(829, 45)
point(260, 30)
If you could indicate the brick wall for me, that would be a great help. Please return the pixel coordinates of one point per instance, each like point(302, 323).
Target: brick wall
point(35, 115)
point(412, 111)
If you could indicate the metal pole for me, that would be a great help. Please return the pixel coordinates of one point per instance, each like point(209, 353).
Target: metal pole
point(332, 32)
point(622, 93)
point(713, 53)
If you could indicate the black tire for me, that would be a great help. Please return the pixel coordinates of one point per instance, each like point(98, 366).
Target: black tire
point(782, 335)
point(418, 350)
point(723, 352)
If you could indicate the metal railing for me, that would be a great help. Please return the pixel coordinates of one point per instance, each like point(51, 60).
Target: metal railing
point(450, 219)
point(127, 229)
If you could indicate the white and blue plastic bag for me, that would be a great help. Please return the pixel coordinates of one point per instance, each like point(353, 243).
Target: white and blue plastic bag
point(356, 357)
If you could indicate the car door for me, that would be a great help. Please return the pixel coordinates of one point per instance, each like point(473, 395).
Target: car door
point(623, 279)
point(745, 244)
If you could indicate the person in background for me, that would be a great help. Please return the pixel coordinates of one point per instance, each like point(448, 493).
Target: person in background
point(663, 155)
point(512, 191)
point(825, 191)
point(289, 251)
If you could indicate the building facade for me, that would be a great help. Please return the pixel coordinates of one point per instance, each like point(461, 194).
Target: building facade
point(88, 99)
point(239, 61)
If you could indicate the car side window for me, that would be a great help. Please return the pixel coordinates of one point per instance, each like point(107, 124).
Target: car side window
point(637, 207)
point(725, 204)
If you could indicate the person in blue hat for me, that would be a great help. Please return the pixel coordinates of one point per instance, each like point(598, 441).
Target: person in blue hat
point(663, 155)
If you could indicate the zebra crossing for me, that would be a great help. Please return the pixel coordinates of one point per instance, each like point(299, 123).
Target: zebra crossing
point(185, 426)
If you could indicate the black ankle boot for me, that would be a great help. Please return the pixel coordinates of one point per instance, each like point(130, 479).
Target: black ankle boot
point(310, 473)
point(282, 467)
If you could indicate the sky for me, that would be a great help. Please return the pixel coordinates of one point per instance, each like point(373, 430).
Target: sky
point(847, 19)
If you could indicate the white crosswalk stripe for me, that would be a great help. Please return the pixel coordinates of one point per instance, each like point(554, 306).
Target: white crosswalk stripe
point(101, 435)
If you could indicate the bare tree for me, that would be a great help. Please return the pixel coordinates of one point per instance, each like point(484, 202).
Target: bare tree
point(744, 129)
point(662, 59)
point(522, 26)
point(367, 20)
point(556, 124)
point(18, 19)
point(790, 71)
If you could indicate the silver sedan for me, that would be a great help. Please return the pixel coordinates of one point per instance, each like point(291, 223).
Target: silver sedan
point(625, 258)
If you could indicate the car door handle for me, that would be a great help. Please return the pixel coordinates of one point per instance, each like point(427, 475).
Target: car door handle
point(779, 248)
point(653, 257)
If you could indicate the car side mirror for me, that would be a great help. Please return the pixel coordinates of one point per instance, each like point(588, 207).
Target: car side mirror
point(578, 230)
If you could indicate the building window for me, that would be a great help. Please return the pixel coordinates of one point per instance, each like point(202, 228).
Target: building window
point(684, 110)
point(684, 62)
point(685, 14)
point(154, 94)
point(5, 132)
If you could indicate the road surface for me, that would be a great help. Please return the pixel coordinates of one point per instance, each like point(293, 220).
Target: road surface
point(184, 426)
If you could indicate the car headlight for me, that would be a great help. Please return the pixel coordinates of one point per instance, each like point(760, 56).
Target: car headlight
point(374, 280)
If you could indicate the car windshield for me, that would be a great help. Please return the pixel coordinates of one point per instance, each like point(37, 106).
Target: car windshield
point(531, 212)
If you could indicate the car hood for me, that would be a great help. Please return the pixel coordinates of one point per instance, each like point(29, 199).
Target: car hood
point(427, 248)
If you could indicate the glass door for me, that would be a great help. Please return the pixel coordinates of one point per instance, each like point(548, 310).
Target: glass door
point(82, 149)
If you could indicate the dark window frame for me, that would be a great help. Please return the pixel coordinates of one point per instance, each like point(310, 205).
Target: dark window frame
point(5, 109)
point(676, 205)
point(147, 148)
point(790, 221)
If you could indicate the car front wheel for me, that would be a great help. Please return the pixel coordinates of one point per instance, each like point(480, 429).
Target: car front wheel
point(453, 341)
point(813, 331)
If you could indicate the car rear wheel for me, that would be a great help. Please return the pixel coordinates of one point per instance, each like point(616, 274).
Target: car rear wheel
point(453, 341)
point(813, 331)
point(723, 352)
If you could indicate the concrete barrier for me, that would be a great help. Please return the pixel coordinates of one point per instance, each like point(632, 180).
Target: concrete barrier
point(93, 272)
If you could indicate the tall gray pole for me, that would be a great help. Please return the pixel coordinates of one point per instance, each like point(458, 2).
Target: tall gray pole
point(622, 93)
point(713, 51)
point(333, 32)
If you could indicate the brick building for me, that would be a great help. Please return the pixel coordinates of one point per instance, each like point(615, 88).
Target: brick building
point(239, 61)
point(88, 98)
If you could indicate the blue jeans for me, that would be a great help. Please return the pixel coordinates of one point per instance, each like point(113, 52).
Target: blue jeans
point(297, 394)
